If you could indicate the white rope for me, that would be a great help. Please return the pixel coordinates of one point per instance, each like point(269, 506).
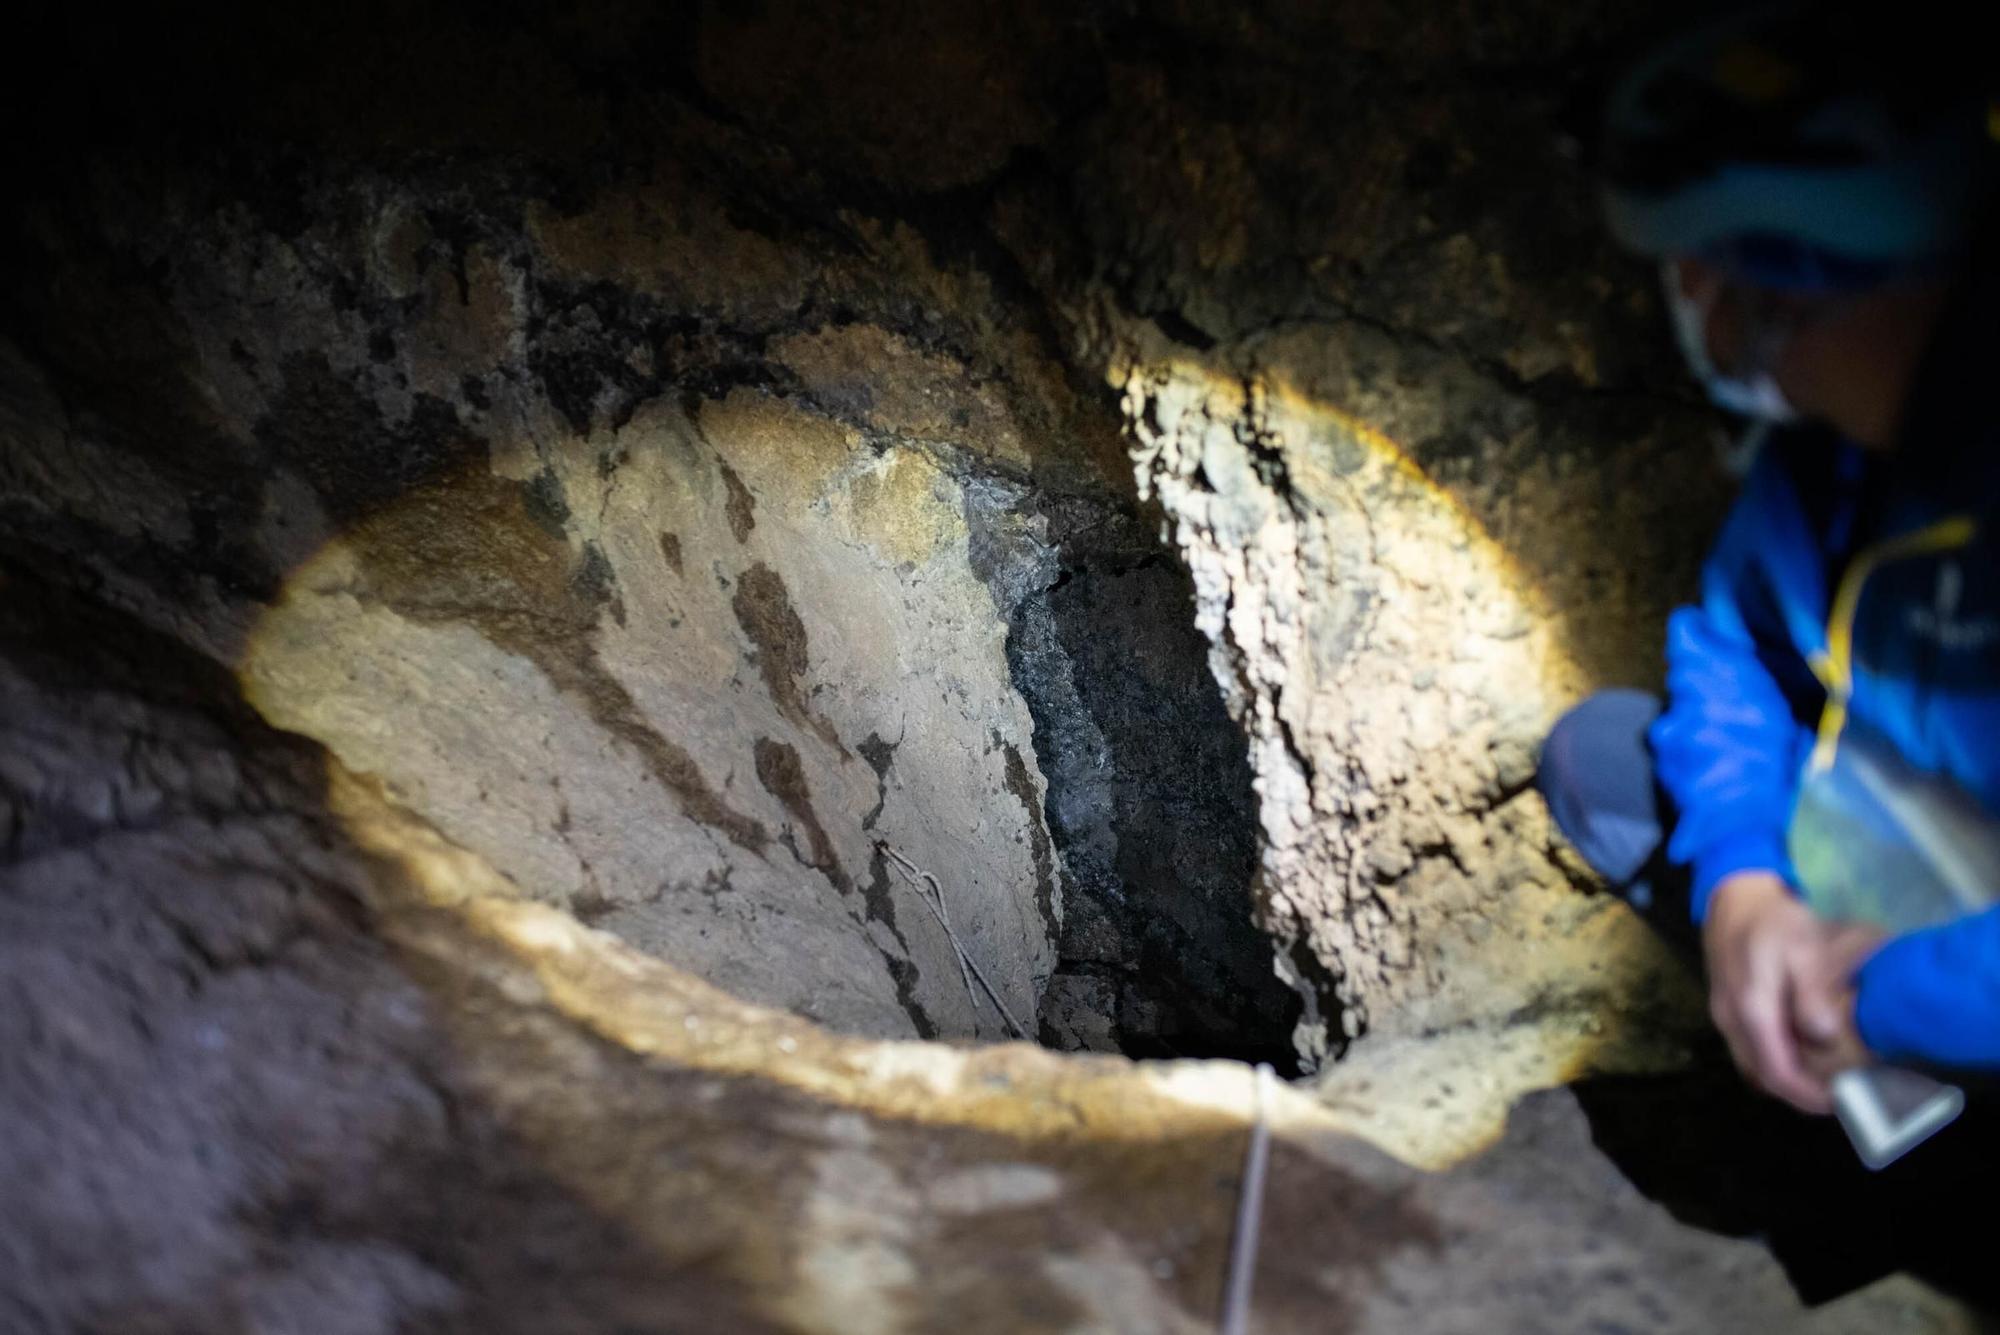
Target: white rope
point(943, 914)
point(1249, 1214)
point(935, 902)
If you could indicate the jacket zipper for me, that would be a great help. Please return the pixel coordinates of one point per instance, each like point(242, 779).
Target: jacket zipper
point(1834, 666)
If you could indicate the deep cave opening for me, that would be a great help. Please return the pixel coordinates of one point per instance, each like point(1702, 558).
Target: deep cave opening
point(621, 400)
point(1149, 796)
point(355, 516)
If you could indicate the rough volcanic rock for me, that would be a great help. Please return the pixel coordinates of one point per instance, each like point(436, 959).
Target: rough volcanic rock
point(533, 543)
point(621, 519)
point(638, 663)
point(1433, 480)
point(279, 1056)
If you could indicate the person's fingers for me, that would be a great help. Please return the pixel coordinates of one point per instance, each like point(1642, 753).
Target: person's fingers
point(1767, 1018)
point(1820, 1005)
point(1825, 990)
point(1779, 996)
point(1729, 972)
point(1825, 1062)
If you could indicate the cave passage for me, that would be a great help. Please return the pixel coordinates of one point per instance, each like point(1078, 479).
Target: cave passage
point(599, 603)
point(1149, 794)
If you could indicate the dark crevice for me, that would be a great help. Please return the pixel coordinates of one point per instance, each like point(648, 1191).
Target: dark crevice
point(1148, 796)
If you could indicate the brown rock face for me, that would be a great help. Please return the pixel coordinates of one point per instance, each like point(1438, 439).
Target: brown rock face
point(574, 586)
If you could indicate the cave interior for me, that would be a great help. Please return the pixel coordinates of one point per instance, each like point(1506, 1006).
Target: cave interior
point(602, 607)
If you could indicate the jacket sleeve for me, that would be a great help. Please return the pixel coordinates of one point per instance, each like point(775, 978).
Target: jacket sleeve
point(1934, 995)
point(1727, 748)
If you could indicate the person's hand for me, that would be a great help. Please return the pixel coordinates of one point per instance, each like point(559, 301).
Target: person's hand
point(1781, 987)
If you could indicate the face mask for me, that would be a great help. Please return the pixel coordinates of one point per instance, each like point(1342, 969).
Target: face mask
point(1754, 394)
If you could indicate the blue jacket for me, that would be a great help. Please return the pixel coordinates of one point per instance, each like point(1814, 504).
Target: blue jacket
point(1851, 592)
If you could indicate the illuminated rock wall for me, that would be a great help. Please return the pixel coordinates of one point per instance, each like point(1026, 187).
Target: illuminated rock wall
point(279, 1056)
point(505, 551)
point(1165, 495)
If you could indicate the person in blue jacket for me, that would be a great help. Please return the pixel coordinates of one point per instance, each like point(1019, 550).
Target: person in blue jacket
point(1814, 183)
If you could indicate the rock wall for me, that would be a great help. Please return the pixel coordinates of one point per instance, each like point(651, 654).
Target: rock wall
point(278, 1056)
point(677, 521)
point(1422, 450)
point(1158, 470)
point(655, 659)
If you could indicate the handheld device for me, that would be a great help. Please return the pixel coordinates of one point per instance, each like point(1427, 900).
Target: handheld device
point(1888, 1111)
point(1875, 840)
